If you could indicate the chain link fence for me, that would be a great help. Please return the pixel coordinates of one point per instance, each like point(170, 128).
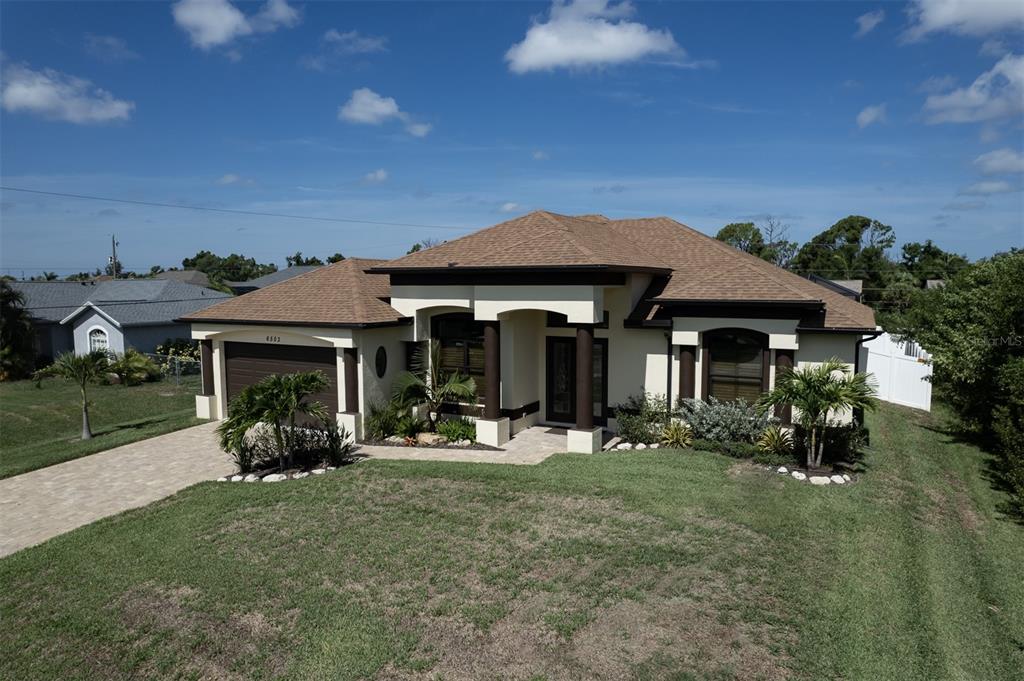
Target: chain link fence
point(183, 371)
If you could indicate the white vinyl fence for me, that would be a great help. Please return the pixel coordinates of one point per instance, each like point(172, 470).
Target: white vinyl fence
point(901, 369)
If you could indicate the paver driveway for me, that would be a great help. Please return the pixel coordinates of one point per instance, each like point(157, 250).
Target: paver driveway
point(41, 504)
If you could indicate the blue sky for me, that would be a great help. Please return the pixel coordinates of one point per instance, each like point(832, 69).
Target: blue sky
point(459, 115)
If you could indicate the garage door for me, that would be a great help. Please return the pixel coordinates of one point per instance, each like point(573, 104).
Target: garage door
point(248, 363)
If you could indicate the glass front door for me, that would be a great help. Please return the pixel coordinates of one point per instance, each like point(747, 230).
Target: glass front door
point(561, 380)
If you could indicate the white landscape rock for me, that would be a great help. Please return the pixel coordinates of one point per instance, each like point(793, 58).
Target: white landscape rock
point(275, 477)
point(623, 446)
point(318, 471)
point(252, 477)
point(797, 475)
point(222, 479)
point(846, 477)
point(300, 475)
point(838, 479)
point(783, 470)
point(640, 445)
point(654, 446)
point(820, 480)
point(237, 478)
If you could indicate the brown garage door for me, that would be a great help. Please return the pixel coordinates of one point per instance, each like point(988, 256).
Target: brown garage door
point(248, 363)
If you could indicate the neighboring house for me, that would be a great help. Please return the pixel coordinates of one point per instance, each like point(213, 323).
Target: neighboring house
point(240, 287)
point(110, 315)
point(851, 288)
point(558, 318)
point(194, 277)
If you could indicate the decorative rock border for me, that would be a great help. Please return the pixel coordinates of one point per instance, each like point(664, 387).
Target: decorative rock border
point(274, 477)
point(626, 446)
point(820, 480)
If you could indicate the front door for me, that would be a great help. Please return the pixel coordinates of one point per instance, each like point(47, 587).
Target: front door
point(561, 380)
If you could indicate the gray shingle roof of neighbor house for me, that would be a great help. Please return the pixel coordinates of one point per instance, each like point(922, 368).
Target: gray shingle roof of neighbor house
point(127, 302)
point(690, 267)
point(194, 277)
point(272, 278)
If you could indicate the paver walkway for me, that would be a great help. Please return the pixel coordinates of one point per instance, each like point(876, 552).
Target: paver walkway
point(528, 447)
point(44, 503)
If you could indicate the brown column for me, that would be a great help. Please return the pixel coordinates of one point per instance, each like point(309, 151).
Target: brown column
point(585, 377)
point(783, 363)
point(350, 362)
point(492, 369)
point(705, 370)
point(687, 371)
point(206, 364)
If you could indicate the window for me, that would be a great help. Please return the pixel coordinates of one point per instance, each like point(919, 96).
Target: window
point(462, 346)
point(98, 340)
point(736, 368)
point(380, 362)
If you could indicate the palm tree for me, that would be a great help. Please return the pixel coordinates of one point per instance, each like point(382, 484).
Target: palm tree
point(429, 384)
point(17, 339)
point(815, 392)
point(275, 401)
point(83, 370)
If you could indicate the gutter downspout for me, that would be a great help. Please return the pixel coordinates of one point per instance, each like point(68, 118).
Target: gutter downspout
point(858, 414)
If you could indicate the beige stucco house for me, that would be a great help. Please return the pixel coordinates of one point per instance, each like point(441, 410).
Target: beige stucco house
point(548, 312)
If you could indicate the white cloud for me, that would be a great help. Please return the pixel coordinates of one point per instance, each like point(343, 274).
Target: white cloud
point(108, 48)
point(988, 188)
point(509, 207)
point(366, 107)
point(540, 155)
point(335, 46)
point(58, 96)
point(868, 22)
point(993, 47)
point(871, 114)
point(965, 17)
point(234, 178)
point(1000, 161)
point(937, 84)
point(997, 93)
point(213, 23)
point(592, 33)
point(376, 176)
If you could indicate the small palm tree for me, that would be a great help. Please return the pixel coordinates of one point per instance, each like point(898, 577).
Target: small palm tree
point(83, 370)
point(429, 384)
point(133, 367)
point(815, 391)
point(275, 401)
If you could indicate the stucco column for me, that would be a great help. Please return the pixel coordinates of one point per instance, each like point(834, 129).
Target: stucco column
point(206, 364)
point(492, 369)
point(350, 360)
point(584, 377)
point(783, 363)
point(687, 371)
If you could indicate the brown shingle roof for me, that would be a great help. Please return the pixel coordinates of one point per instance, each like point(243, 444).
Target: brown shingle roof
point(342, 294)
point(538, 239)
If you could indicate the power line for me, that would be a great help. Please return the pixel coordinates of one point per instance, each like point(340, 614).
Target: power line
point(233, 211)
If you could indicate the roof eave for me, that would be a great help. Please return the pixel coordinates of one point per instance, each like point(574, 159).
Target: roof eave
point(519, 268)
point(404, 321)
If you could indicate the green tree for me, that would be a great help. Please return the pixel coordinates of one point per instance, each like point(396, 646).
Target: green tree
point(744, 236)
point(82, 370)
point(924, 261)
point(17, 337)
point(815, 391)
point(297, 260)
point(234, 267)
point(133, 367)
point(853, 248)
point(275, 401)
point(337, 257)
point(421, 245)
point(430, 385)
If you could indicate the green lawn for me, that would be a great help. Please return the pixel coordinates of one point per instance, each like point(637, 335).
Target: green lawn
point(647, 565)
point(43, 426)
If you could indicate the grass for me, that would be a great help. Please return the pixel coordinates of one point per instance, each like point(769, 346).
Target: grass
point(41, 426)
point(648, 565)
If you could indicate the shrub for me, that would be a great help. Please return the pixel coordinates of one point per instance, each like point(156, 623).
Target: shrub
point(843, 442)
point(641, 418)
point(677, 435)
point(1008, 426)
point(311, 446)
point(737, 450)
point(724, 421)
point(133, 367)
point(409, 425)
point(382, 420)
point(184, 348)
point(457, 429)
point(775, 446)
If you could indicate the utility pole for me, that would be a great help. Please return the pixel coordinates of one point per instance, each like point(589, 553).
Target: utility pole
point(113, 255)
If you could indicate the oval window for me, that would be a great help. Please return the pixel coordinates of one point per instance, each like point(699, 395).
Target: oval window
point(381, 361)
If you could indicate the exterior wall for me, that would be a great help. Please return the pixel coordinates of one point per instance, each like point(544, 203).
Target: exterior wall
point(146, 338)
point(53, 339)
point(816, 348)
point(92, 320)
point(374, 389)
point(521, 382)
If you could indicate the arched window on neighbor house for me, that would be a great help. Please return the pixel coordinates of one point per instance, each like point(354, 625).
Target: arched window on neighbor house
point(98, 340)
point(736, 366)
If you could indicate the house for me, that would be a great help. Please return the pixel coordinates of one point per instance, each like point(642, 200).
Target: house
point(110, 315)
point(559, 319)
point(194, 277)
point(240, 287)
